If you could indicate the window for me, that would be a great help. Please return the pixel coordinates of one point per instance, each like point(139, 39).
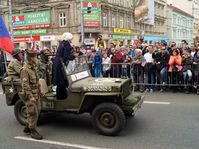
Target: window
point(113, 21)
point(128, 22)
point(62, 19)
point(121, 22)
point(105, 20)
point(174, 19)
point(174, 33)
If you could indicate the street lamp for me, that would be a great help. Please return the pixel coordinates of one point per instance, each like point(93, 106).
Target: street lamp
point(10, 19)
point(82, 22)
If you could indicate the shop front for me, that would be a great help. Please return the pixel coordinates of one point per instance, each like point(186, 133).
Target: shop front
point(32, 28)
point(152, 38)
point(122, 36)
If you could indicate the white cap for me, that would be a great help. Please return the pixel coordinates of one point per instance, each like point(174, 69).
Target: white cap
point(67, 36)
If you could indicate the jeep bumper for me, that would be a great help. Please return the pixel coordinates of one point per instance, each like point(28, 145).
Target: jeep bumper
point(132, 103)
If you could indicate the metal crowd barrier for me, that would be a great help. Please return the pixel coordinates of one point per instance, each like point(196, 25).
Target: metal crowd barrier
point(148, 77)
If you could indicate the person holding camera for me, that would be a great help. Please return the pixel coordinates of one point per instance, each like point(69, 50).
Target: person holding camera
point(161, 60)
point(175, 68)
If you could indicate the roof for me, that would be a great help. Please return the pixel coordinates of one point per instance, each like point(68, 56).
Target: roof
point(179, 10)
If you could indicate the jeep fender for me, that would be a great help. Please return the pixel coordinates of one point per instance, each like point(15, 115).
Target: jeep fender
point(91, 99)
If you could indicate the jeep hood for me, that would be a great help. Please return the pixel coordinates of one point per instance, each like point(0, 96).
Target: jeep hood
point(91, 84)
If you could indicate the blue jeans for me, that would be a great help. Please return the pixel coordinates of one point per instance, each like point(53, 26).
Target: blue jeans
point(163, 76)
point(97, 71)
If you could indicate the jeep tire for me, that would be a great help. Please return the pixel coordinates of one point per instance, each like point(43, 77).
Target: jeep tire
point(108, 119)
point(20, 112)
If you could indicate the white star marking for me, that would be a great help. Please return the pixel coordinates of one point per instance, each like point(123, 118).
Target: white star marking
point(11, 90)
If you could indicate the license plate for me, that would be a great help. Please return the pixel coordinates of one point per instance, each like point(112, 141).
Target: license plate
point(48, 105)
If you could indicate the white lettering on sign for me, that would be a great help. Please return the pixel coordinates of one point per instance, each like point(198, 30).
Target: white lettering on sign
point(73, 77)
point(82, 75)
point(99, 88)
point(47, 38)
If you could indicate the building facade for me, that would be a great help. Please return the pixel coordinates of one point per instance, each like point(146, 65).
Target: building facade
point(157, 32)
point(116, 22)
point(180, 25)
point(195, 9)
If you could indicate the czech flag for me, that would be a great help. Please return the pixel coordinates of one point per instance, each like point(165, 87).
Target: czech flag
point(5, 40)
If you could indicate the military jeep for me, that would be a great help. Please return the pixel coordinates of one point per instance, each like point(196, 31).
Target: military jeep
point(109, 100)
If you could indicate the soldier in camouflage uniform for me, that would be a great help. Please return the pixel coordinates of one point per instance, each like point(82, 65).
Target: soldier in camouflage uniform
point(44, 67)
point(15, 65)
point(31, 90)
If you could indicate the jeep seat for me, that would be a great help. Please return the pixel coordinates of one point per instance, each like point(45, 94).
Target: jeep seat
point(44, 88)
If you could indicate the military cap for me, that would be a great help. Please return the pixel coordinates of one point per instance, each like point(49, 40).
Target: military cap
point(31, 53)
point(99, 35)
point(16, 51)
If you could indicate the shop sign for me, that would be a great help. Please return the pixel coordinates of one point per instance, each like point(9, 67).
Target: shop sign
point(91, 19)
point(25, 19)
point(27, 39)
point(29, 27)
point(122, 31)
point(122, 37)
point(89, 41)
point(29, 32)
point(91, 24)
point(47, 38)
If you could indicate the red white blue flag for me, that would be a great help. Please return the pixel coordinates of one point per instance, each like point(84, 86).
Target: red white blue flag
point(5, 40)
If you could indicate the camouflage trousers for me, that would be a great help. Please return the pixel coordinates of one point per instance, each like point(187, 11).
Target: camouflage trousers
point(33, 110)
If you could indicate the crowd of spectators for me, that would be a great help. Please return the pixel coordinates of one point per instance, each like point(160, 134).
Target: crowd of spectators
point(158, 66)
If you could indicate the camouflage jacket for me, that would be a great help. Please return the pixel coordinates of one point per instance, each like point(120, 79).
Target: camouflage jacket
point(44, 71)
point(30, 81)
point(14, 68)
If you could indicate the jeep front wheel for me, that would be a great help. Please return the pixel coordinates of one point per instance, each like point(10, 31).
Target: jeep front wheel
point(20, 112)
point(108, 118)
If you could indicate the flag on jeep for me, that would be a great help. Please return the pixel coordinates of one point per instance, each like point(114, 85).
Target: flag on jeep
point(5, 40)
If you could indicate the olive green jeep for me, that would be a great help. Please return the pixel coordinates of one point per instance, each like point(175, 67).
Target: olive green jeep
point(109, 100)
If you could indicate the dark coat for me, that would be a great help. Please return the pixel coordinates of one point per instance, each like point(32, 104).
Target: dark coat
point(65, 52)
point(163, 59)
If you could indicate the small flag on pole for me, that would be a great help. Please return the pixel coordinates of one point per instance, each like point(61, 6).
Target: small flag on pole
point(5, 40)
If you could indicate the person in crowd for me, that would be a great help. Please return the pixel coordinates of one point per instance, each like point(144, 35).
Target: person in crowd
point(171, 46)
point(150, 69)
point(187, 61)
point(156, 46)
point(106, 63)
point(89, 58)
point(131, 52)
point(136, 42)
point(109, 51)
point(15, 65)
point(193, 49)
point(44, 67)
point(99, 41)
point(97, 61)
point(161, 59)
point(175, 68)
point(184, 46)
point(31, 89)
point(196, 70)
point(115, 59)
point(138, 63)
point(64, 55)
point(125, 66)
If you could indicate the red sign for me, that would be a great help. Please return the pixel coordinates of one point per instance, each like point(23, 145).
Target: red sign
point(29, 27)
point(91, 24)
point(18, 18)
point(86, 4)
point(26, 39)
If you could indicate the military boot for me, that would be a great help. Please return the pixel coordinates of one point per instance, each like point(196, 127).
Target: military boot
point(27, 130)
point(35, 135)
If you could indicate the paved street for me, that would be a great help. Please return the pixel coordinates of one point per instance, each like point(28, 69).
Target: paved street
point(166, 121)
